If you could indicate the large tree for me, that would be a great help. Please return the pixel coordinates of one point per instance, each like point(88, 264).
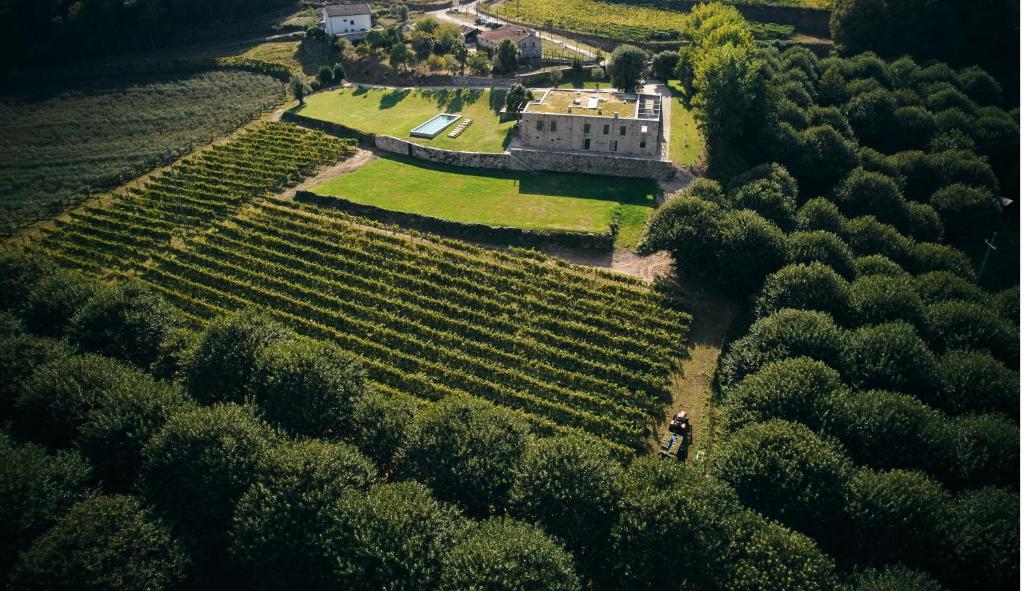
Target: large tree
point(626, 67)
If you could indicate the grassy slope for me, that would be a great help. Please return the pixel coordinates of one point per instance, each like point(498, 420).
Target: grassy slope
point(549, 201)
point(395, 112)
point(685, 143)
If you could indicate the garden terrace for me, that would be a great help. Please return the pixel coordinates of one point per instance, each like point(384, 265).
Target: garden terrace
point(584, 102)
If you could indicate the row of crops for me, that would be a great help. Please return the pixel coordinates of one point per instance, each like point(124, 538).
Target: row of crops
point(569, 348)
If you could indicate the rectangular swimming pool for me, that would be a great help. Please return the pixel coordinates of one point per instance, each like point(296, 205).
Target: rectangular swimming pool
point(434, 125)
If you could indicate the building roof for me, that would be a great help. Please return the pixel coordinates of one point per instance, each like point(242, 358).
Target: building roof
point(513, 32)
point(347, 9)
point(585, 102)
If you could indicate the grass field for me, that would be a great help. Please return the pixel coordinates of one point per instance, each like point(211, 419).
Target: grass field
point(395, 112)
point(686, 146)
point(544, 201)
point(58, 148)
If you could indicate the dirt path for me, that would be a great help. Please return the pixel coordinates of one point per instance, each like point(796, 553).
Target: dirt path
point(360, 158)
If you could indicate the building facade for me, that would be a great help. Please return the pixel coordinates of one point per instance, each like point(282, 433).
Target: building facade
point(594, 121)
point(351, 21)
point(528, 41)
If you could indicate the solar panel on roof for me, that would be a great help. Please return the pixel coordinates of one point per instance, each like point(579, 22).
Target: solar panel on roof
point(592, 102)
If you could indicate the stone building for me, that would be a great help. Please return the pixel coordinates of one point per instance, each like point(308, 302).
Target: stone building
point(528, 41)
point(594, 121)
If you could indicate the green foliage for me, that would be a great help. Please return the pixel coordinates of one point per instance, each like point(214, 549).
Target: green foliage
point(379, 423)
point(967, 213)
point(799, 389)
point(988, 536)
point(806, 287)
point(569, 471)
point(871, 193)
point(786, 472)
point(769, 200)
point(823, 158)
point(663, 65)
point(105, 542)
point(1007, 303)
point(879, 298)
point(892, 578)
point(199, 465)
point(626, 67)
point(278, 528)
point(928, 256)
point(867, 236)
point(877, 264)
point(985, 450)
point(127, 321)
point(53, 300)
point(20, 355)
point(960, 325)
point(887, 429)
point(502, 554)
point(516, 96)
point(893, 356)
point(942, 286)
point(976, 381)
point(750, 248)
point(820, 214)
point(325, 76)
point(19, 273)
point(444, 444)
point(36, 490)
point(820, 246)
point(922, 222)
point(506, 56)
point(769, 556)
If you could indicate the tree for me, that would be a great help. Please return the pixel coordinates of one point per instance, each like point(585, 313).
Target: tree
point(444, 444)
point(461, 53)
point(893, 578)
point(379, 422)
point(422, 43)
point(967, 213)
point(878, 299)
point(960, 325)
point(19, 273)
point(885, 429)
point(751, 248)
point(821, 214)
point(922, 222)
point(626, 67)
point(988, 531)
point(824, 157)
point(942, 286)
point(503, 554)
point(127, 321)
point(400, 11)
point(867, 236)
point(479, 63)
point(298, 89)
point(197, 467)
point(820, 247)
point(105, 542)
point(516, 96)
point(769, 556)
point(787, 472)
point(663, 66)
point(36, 490)
point(893, 356)
point(278, 526)
point(877, 264)
point(806, 287)
point(338, 72)
point(54, 300)
point(976, 381)
point(20, 355)
point(400, 56)
point(799, 389)
point(928, 256)
point(506, 56)
point(767, 199)
point(871, 193)
point(325, 76)
point(985, 451)
point(569, 471)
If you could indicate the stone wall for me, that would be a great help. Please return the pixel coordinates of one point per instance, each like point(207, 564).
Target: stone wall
point(493, 161)
point(586, 163)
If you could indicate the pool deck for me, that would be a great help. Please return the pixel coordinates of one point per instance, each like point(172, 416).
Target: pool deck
point(422, 131)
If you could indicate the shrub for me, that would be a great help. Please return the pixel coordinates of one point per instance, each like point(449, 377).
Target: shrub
point(980, 86)
point(805, 287)
point(768, 200)
point(19, 273)
point(379, 423)
point(872, 116)
point(893, 578)
point(823, 247)
point(786, 472)
point(922, 174)
point(820, 214)
point(877, 299)
point(800, 389)
point(985, 450)
point(1007, 303)
point(36, 490)
point(105, 542)
point(395, 536)
point(127, 321)
point(950, 98)
point(967, 213)
point(197, 467)
point(787, 333)
point(960, 325)
point(928, 256)
point(886, 429)
point(892, 356)
point(867, 236)
point(922, 223)
point(871, 193)
point(875, 161)
point(663, 66)
point(966, 168)
point(976, 381)
point(20, 355)
point(504, 554)
point(54, 300)
point(444, 444)
point(913, 127)
point(830, 116)
point(278, 526)
point(898, 515)
point(877, 264)
point(686, 227)
point(988, 538)
point(774, 173)
point(825, 158)
point(222, 365)
point(942, 286)
point(768, 556)
point(325, 76)
point(751, 248)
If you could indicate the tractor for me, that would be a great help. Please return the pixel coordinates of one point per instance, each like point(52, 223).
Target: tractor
point(678, 438)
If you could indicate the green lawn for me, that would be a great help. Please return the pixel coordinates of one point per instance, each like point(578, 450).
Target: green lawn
point(547, 201)
point(686, 146)
point(396, 112)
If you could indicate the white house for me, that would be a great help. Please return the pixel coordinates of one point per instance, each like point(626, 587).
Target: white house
point(526, 39)
point(351, 21)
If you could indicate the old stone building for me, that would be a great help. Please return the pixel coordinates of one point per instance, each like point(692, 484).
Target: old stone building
point(594, 121)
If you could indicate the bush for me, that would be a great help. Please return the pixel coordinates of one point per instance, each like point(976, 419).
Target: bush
point(872, 116)
point(988, 538)
point(922, 174)
point(892, 356)
point(127, 321)
point(825, 158)
point(105, 542)
point(913, 127)
point(943, 286)
point(871, 193)
point(325, 76)
point(278, 526)
point(820, 214)
point(1007, 303)
point(867, 236)
point(886, 429)
point(663, 66)
point(222, 365)
point(36, 490)
point(786, 472)
point(54, 300)
point(985, 450)
point(787, 333)
point(877, 264)
point(751, 248)
point(393, 537)
point(307, 386)
point(927, 256)
point(504, 554)
point(801, 390)
point(805, 287)
point(444, 444)
point(830, 116)
point(19, 273)
point(967, 213)
point(20, 355)
point(950, 98)
point(199, 465)
point(569, 471)
point(922, 223)
point(980, 86)
point(976, 381)
point(774, 173)
point(877, 299)
point(898, 516)
point(768, 556)
point(379, 423)
point(769, 200)
point(893, 578)
point(875, 161)
point(686, 227)
point(820, 247)
point(960, 325)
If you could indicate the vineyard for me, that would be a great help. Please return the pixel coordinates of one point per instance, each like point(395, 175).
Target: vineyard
point(569, 348)
point(58, 149)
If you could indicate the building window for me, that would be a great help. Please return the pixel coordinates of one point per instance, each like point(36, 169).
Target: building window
point(615, 146)
point(622, 130)
point(643, 145)
point(586, 128)
point(606, 130)
point(554, 125)
point(586, 144)
point(540, 125)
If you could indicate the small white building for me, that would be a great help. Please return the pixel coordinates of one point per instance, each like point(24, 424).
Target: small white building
point(350, 21)
point(528, 41)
